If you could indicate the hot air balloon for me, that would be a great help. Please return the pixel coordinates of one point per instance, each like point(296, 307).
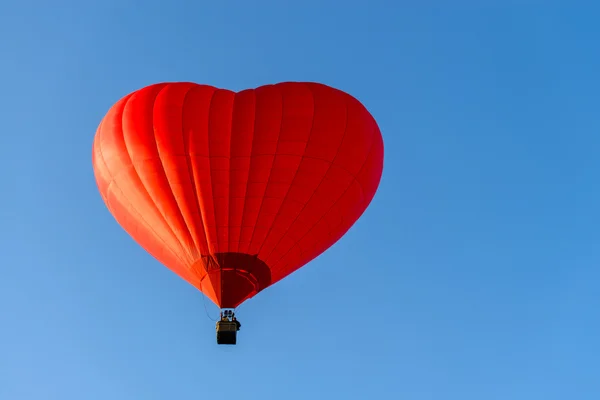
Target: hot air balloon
point(234, 191)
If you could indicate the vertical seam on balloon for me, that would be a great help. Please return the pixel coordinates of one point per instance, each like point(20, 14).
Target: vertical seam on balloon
point(199, 197)
point(164, 174)
point(190, 172)
point(312, 125)
point(211, 254)
point(371, 148)
point(262, 201)
point(249, 169)
point(228, 197)
point(229, 173)
point(321, 182)
point(113, 182)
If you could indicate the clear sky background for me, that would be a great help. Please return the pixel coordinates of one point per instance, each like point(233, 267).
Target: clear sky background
point(473, 275)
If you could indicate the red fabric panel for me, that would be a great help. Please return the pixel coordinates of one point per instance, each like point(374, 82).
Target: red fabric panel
point(195, 173)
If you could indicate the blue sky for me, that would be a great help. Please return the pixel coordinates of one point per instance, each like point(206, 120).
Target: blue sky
point(473, 275)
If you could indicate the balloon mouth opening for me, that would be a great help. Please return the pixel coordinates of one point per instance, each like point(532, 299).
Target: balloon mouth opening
point(231, 278)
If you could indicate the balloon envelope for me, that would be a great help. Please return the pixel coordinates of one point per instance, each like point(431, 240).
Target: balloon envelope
point(235, 191)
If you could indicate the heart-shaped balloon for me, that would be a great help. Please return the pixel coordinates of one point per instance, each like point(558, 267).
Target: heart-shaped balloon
point(235, 191)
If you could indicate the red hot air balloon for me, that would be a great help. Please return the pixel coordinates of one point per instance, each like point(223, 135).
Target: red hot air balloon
point(235, 191)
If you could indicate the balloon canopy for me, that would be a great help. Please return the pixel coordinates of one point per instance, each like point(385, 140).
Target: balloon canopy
point(235, 191)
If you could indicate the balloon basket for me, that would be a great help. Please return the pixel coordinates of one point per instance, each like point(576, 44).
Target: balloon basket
point(227, 328)
point(226, 332)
